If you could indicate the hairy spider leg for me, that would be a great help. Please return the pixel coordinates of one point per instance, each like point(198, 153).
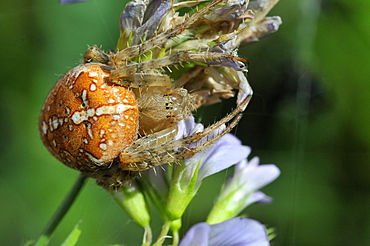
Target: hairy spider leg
point(163, 37)
point(152, 140)
point(121, 75)
point(165, 153)
point(138, 80)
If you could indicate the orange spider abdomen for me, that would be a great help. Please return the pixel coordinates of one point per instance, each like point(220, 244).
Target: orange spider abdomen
point(87, 120)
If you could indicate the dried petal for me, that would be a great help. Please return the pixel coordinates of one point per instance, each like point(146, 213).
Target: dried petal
point(229, 12)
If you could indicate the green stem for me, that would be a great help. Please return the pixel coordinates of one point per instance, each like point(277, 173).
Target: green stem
point(163, 235)
point(175, 241)
point(61, 211)
point(175, 227)
point(147, 240)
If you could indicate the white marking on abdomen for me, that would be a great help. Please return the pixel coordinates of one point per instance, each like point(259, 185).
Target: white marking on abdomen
point(103, 146)
point(44, 127)
point(114, 109)
point(79, 116)
point(92, 87)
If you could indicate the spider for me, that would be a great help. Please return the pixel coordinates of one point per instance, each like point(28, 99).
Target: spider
point(111, 118)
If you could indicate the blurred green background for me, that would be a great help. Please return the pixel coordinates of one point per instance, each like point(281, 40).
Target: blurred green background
point(310, 115)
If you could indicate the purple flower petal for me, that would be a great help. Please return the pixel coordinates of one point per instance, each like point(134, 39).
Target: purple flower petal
point(226, 153)
point(197, 235)
point(228, 62)
point(257, 176)
point(233, 232)
point(70, 1)
point(187, 127)
point(228, 12)
point(245, 89)
point(132, 16)
point(154, 14)
point(258, 197)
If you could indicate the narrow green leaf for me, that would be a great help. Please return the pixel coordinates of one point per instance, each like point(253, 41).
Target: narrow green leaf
point(73, 237)
point(42, 241)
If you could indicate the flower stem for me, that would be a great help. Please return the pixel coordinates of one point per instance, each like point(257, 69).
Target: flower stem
point(147, 240)
point(175, 227)
point(163, 235)
point(61, 211)
point(175, 241)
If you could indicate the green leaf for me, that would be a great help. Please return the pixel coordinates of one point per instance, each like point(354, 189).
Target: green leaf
point(42, 241)
point(73, 237)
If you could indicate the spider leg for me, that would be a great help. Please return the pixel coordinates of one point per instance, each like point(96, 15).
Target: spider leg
point(187, 4)
point(185, 152)
point(163, 37)
point(177, 149)
point(152, 140)
point(185, 78)
point(138, 80)
point(129, 70)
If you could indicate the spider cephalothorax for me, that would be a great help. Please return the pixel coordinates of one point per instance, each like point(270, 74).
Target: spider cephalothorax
point(118, 115)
